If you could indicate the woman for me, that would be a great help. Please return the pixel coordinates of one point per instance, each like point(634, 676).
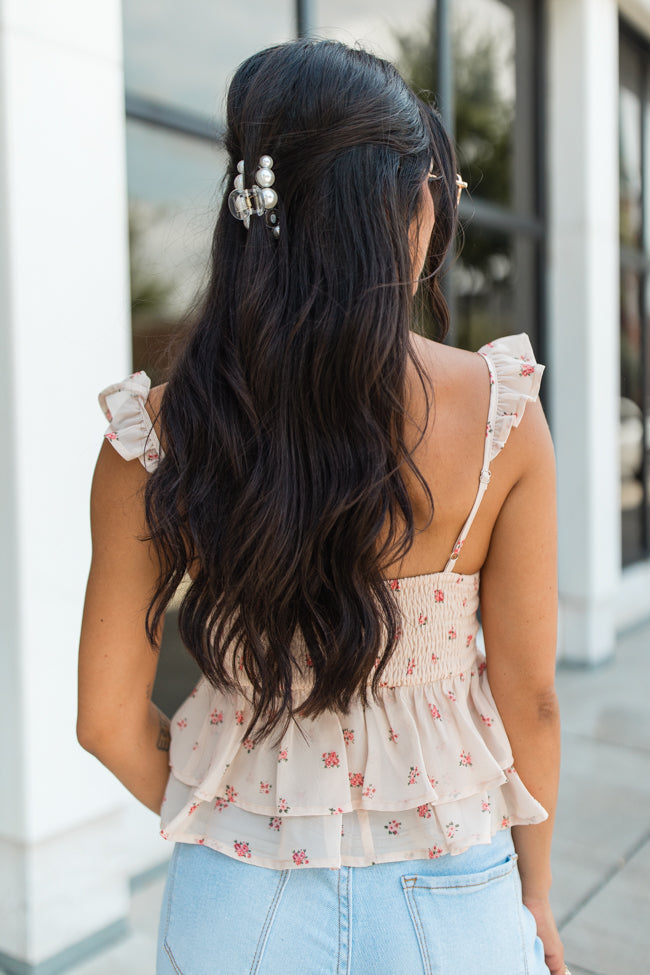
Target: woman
point(342, 794)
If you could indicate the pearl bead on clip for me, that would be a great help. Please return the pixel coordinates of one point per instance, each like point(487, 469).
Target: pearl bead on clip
point(256, 201)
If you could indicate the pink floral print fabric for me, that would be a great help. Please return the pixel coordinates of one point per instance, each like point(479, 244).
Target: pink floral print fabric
point(129, 428)
point(427, 770)
point(517, 377)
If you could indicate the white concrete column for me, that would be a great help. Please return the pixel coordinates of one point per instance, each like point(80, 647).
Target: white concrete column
point(66, 835)
point(582, 118)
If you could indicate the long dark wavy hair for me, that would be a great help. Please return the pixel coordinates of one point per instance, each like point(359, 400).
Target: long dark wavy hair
point(282, 487)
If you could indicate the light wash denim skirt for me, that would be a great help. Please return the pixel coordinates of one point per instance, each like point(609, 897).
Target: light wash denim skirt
point(459, 915)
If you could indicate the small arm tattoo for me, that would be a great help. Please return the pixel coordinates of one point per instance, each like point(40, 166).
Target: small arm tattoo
point(163, 735)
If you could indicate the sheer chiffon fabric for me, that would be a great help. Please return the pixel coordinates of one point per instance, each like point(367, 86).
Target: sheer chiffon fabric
point(426, 770)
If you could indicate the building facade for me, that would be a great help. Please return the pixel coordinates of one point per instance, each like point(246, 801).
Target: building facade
point(110, 167)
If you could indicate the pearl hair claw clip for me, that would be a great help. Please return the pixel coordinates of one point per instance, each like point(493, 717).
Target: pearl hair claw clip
point(259, 199)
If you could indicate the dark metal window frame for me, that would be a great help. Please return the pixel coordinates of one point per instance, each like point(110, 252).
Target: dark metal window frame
point(485, 214)
point(638, 260)
point(167, 116)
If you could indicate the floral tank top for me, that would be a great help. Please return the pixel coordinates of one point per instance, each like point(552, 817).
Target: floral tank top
point(426, 771)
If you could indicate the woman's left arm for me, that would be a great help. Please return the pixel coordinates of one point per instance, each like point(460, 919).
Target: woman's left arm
point(116, 720)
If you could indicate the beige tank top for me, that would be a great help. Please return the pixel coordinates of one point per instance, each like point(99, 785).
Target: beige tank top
point(426, 771)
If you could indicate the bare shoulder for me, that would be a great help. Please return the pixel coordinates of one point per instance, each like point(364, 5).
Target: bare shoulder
point(460, 382)
point(444, 356)
point(456, 371)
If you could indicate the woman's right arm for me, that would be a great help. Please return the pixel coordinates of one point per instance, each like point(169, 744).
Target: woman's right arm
point(519, 617)
point(117, 721)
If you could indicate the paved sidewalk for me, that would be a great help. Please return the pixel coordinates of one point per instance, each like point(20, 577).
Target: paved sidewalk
point(601, 863)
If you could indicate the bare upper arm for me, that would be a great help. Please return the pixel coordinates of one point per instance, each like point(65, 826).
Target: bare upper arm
point(117, 665)
point(519, 577)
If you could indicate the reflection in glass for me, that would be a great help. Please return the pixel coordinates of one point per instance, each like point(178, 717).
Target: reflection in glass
point(645, 196)
point(631, 428)
point(631, 349)
point(174, 192)
point(630, 177)
point(401, 32)
point(182, 54)
point(630, 167)
point(493, 45)
point(645, 385)
point(484, 74)
point(483, 42)
point(493, 59)
point(494, 287)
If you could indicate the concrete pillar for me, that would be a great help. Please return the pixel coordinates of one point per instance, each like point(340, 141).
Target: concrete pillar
point(582, 116)
point(67, 839)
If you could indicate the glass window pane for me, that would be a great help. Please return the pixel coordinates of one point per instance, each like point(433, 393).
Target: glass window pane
point(403, 33)
point(493, 51)
point(494, 287)
point(631, 418)
point(485, 94)
point(183, 53)
point(630, 148)
point(174, 187)
point(631, 338)
point(646, 164)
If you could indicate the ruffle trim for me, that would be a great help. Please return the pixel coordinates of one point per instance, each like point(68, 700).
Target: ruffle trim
point(357, 838)
point(435, 752)
point(130, 430)
point(518, 376)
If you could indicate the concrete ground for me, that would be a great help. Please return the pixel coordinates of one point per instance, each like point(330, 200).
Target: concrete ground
point(601, 861)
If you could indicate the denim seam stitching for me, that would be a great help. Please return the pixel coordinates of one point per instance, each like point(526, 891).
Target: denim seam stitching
point(483, 883)
point(172, 881)
point(521, 926)
point(413, 882)
point(349, 895)
point(266, 927)
point(419, 930)
point(169, 954)
point(338, 959)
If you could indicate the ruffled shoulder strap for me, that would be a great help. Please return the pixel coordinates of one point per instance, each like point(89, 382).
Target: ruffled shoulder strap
point(515, 377)
point(130, 430)
point(514, 381)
